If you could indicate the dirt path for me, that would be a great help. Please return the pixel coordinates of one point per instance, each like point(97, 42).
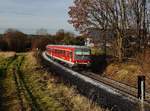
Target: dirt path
point(15, 94)
point(26, 98)
point(7, 97)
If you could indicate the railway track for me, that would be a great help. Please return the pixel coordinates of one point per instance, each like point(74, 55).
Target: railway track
point(117, 85)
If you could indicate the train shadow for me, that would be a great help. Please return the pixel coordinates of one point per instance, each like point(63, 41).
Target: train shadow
point(99, 63)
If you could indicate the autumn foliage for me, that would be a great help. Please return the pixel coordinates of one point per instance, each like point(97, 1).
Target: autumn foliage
point(117, 16)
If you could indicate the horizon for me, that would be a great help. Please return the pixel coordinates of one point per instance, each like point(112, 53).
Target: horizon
point(29, 31)
point(27, 17)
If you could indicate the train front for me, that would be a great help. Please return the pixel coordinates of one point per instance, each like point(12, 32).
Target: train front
point(82, 57)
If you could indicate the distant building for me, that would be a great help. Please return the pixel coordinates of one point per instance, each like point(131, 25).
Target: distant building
point(89, 42)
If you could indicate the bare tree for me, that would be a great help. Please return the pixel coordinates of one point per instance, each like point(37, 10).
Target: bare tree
point(42, 31)
point(118, 16)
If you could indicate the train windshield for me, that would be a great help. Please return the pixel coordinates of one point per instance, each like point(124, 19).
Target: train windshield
point(82, 52)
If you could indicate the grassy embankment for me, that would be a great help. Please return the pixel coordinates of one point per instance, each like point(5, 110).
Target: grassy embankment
point(126, 72)
point(26, 86)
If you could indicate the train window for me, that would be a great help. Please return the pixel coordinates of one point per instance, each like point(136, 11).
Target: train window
point(82, 52)
point(63, 52)
point(59, 52)
point(70, 54)
point(78, 52)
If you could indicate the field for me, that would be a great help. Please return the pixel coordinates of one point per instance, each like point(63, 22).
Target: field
point(26, 86)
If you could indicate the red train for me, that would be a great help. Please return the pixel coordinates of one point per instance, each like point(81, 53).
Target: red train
point(72, 55)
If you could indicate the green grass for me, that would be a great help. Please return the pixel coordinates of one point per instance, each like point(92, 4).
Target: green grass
point(8, 97)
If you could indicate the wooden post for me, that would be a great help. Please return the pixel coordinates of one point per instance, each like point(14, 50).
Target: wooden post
point(141, 88)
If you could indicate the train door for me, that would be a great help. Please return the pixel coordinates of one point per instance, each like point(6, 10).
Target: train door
point(50, 52)
point(71, 56)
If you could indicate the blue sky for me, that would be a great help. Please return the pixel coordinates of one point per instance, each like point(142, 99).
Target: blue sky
point(30, 15)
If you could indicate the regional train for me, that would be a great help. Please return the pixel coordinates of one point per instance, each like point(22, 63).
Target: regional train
point(69, 54)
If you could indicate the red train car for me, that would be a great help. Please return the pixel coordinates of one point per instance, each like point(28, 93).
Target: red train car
point(72, 55)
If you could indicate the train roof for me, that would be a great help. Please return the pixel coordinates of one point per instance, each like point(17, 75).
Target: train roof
point(69, 46)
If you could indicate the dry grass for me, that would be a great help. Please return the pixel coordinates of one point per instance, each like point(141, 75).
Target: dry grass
point(7, 54)
point(128, 72)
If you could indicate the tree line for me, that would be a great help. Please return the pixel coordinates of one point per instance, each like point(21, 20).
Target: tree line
point(125, 19)
point(15, 40)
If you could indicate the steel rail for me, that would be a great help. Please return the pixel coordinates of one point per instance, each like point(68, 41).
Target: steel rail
point(117, 85)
